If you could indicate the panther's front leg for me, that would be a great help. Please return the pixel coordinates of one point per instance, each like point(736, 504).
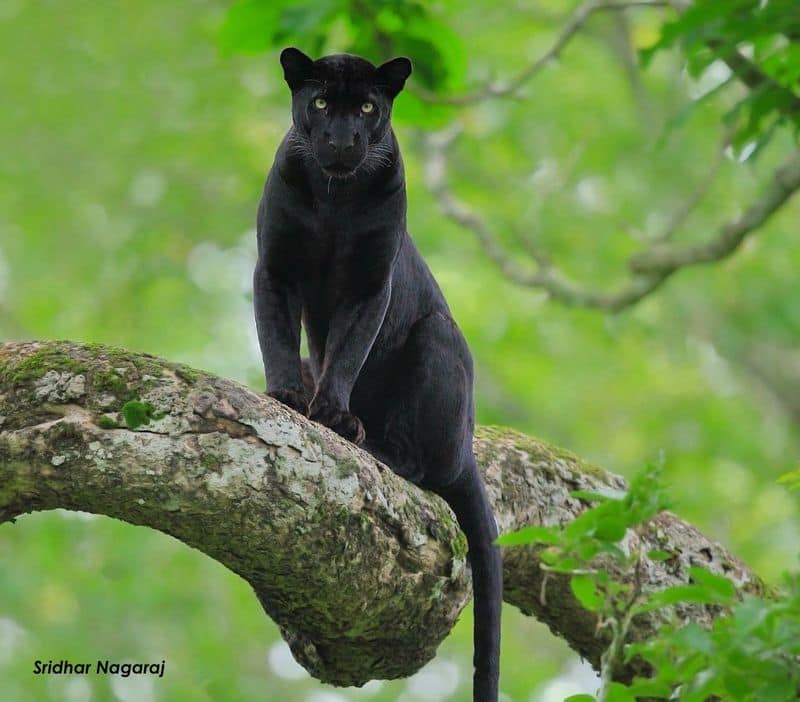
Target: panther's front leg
point(353, 328)
point(277, 309)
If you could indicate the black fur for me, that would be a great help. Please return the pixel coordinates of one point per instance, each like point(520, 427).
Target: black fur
point(388, 367)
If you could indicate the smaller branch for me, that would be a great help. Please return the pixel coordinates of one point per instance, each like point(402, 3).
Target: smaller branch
point(614, 656)
point(680, 215)
point(649, 269)
point(775, 368)
point(546, 277)
point(621, 46)
point(566, 179)
point(573, 25)
point(754, 78)
point(667, 259)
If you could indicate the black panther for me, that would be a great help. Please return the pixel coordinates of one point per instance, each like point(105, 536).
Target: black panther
point(389, 368)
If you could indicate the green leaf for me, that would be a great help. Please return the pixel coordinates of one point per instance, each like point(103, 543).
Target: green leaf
point(579, 698)
point(302, 21)
point(718, 584)
point(600, 495)
point(749, 616)
point(791, 479)
point(585, 590)
point(529, 535)
point(698, 594)
point(779, 689)
point(422, 32)
point(694, 638)
point(658, 555)
point(249, 26)
point(649, 688)
point(612, 528)
point(618, 692)
point(410, 109)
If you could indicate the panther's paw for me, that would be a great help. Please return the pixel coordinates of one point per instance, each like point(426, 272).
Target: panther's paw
point(296, 399)
point(342, 422)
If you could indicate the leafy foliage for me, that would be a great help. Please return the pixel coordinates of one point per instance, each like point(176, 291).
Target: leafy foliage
point(599, 530)
point(750, 653)
point(377, 29)
point(759, 43)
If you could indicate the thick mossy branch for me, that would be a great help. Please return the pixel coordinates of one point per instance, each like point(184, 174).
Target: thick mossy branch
point(364, 573)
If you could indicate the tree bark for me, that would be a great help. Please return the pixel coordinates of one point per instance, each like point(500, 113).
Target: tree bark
point(364, 573)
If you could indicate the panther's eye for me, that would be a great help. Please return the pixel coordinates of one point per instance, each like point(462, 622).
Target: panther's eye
point(367, 107)
point(320, 103)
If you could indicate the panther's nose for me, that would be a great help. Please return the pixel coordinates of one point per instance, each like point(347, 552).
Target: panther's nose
point(341, 144)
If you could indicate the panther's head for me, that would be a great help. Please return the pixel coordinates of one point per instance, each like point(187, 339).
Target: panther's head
point(341, 105)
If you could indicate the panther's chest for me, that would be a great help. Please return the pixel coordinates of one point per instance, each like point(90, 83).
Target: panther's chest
point(330, 251)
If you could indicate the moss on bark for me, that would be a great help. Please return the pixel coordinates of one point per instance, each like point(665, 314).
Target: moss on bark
point(364, 573)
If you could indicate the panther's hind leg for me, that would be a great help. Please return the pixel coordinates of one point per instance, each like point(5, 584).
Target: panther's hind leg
point(426, 426)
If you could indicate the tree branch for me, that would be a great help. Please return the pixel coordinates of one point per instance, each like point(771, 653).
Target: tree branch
point(649, 268)
point(364, 573)
point(546, 276)
point(667, 258)
point(573, 25)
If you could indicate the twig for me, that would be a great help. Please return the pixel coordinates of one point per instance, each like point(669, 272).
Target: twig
point(619, 41)
point(649, 269)
point(666, 259)
point(680, 215)
point(755, 79)
point(620, 624)
point(570, 29)
point(546, 277)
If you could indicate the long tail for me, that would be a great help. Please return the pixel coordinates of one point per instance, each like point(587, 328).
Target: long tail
point(468, 499)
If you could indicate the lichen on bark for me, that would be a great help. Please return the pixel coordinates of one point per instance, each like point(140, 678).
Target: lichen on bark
point(364, 573)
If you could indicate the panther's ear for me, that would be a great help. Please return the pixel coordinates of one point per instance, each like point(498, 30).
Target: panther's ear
point(391, 76)
point(296, 67)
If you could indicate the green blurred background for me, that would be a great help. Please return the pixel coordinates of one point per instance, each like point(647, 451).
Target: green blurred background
point(133, 148)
